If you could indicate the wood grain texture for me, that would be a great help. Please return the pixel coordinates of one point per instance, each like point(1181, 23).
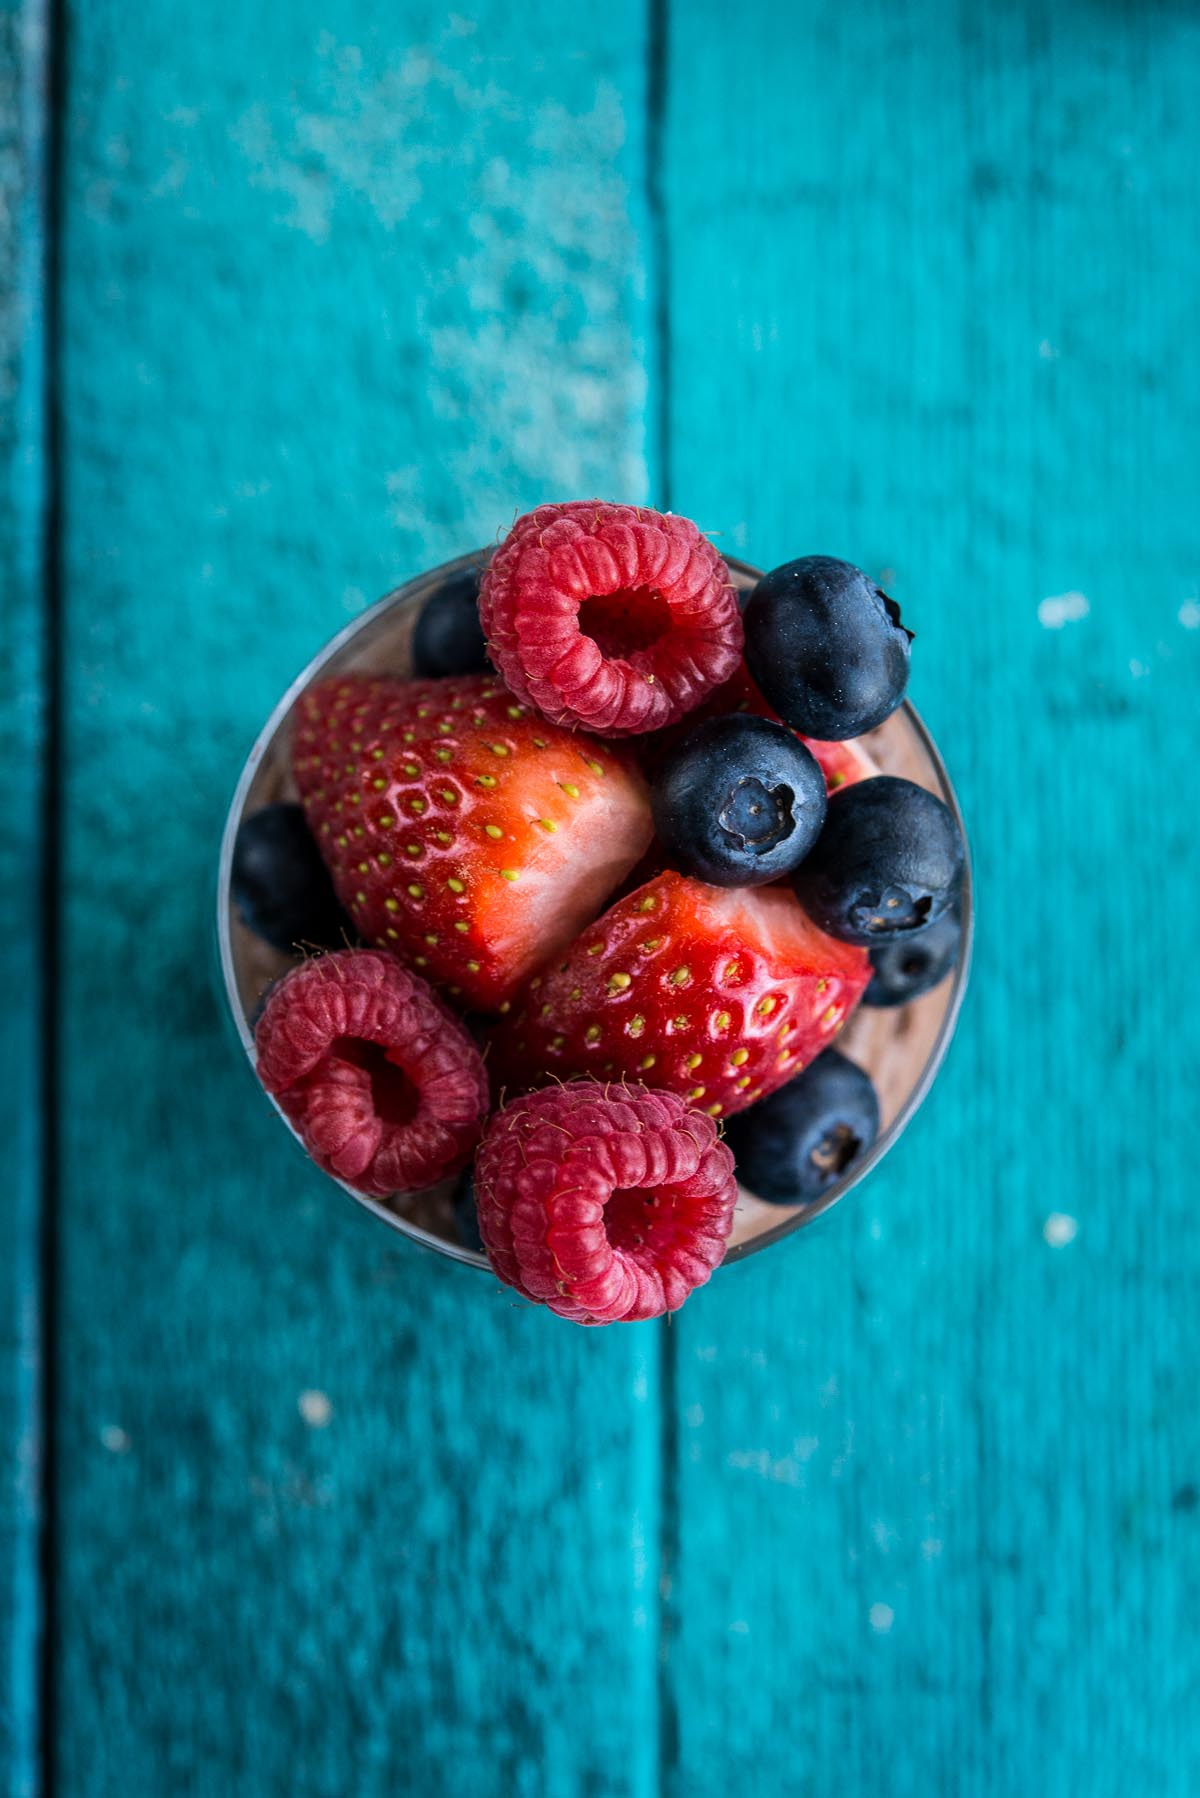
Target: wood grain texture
point(932, 289)
point(23, 126)
point(344, 287)
point(911, 1504)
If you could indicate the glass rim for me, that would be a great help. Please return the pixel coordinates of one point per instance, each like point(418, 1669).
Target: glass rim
point(793, 1218)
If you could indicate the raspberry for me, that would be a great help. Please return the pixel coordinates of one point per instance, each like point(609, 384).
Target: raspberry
point(385, 1089)
point(614, 618)
point(607, 1203)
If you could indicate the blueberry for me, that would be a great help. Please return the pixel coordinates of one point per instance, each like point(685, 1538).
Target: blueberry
point(911, 966)
point(792, 1147)
point(826, 647)
point(888, 863)
point(740, 802)
point(280, 885)
point(449, 637)
point(466, 1217)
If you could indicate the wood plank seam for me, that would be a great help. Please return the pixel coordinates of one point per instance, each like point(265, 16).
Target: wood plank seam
point(27, 725)
point(666, 1709)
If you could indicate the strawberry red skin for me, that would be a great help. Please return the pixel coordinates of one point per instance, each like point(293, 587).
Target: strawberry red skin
point(462, 830)
point(717, 995)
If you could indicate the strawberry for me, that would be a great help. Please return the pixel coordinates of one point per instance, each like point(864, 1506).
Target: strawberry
point(461, 828)
point(841, 763)
point(719, 995)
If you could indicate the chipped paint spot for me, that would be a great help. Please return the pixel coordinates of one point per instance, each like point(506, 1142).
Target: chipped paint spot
point(784, 1470)
point(1062, 608)
point(1189, 615)
point(315, 1409)
point(881, 1618)
point(115, 1439)
point(1059, 1229)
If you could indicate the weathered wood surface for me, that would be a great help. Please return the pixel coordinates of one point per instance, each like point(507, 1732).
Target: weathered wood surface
point(912, 1503)
point(343, 288)
point(932, 307)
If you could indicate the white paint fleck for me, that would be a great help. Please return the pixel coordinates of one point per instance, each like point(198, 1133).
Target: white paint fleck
point(829, 1391)
point(931, 1548)
point(638, 1545)
point(875, 1230)
point(884, 1535)
point(115, 1439)
point(839, 1463)
point(881, 1617)
point(1137, 669)
point(315, 1409)
point(641, 1387)
point(1059, 1229)
point(739, 1628)
point(695, 1416)
point(1047, 351)
point(1062, 608)
point(1189, 615)
point(785, 1470)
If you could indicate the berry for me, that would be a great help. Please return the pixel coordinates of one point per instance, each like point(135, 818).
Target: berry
point(615, 618)
point(718, 995)
point(280, 885)
point(461, 829)
point(888, 863)
point(609, 1204)
point(827, 647)
point(913, 965)
point(740, 802)
point(385, 1089)
point(449, 637)
point(808, 1135)
point(841, 763)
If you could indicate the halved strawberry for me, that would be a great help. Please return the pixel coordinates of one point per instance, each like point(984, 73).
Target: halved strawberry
point(460, 827)
point(720, 995)
point(841, 763)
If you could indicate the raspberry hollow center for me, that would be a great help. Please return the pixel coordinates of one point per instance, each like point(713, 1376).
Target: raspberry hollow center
point(629, 1218)
point(625, 623)
point(395, 1099)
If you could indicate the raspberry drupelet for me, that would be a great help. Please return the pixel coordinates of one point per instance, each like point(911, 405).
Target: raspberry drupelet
point(384, 1086)
point(616, 619)
point(607, 1203)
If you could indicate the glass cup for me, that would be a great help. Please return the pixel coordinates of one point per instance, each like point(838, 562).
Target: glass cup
point(900, 1048)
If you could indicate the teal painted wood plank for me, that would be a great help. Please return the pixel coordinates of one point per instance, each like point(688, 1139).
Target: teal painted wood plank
point(23, 54)
point(932, 307)
point(344, 287)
